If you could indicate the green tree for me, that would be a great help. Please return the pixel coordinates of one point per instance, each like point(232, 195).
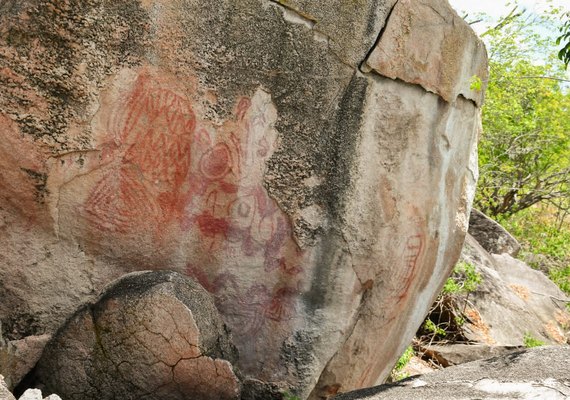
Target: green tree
point(525, 148)
point(564, 39)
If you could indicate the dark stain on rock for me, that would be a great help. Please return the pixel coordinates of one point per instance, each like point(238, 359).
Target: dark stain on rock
point(254, 389)
point(21, 324)
point(340, 147)
point(332, 255)
point(58, 52)
point(297, 355)
point(39, 181)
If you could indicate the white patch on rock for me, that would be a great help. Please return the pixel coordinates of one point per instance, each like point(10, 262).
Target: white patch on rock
point(321, 37)
point(418, 383)
point(313, 181)
point(296, 18)
point(314, 216)
point(521, 390)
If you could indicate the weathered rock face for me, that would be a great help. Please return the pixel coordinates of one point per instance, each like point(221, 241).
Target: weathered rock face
point(539, 373)
point(241, 144)
point(151, 335)
point(513, 301)
point(491, 235)
point(447, 64)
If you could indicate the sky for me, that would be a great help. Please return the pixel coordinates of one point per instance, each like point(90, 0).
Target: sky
point(498, 8)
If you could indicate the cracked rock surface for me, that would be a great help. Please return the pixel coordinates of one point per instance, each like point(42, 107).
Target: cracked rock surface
point(305, 161)
point(152, 336)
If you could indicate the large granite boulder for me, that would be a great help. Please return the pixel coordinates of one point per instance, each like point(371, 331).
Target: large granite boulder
point(151, 335)
point(318, 193)
point(539, 373)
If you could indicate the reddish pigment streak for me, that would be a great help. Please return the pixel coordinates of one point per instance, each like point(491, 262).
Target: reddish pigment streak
point(141, 188)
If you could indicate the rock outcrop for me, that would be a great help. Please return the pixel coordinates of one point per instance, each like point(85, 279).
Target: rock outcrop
point(512, 302)
point(311, 164)
point(151, 335)
point(540, 373)
point(491, 235)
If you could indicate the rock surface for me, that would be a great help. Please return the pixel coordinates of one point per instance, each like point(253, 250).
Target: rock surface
point(540, 373)
point(151, 335)
point(457, 353)
point(513, 301)
point(18, 357)
point(446, 64)
point(5, 393)
point(241, 143)
point(491, 235)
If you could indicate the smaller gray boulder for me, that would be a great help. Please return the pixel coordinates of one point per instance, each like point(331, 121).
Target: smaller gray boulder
point(539, 373)
point(150, 336)
point(491, 235)
point(513, 302)
point(459, 353)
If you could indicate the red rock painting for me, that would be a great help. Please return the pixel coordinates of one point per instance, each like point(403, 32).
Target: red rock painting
point(150, 154)
point(235, 216)
point(229, 205)
point(248, 309)
point(413, 250)
point(168, 175)
point(121, 203)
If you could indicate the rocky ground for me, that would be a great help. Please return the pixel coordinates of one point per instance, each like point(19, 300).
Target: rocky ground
point(30, 394)
point(539, 373)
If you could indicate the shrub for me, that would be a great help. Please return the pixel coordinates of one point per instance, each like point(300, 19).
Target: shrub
point(397, 374)
point(530, 341)
point(446, 316)
point(540, 232)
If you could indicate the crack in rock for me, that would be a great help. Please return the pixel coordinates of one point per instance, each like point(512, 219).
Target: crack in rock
point(182, 351)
